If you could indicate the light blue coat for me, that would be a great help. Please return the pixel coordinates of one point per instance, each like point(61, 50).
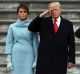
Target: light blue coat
point(22, 45)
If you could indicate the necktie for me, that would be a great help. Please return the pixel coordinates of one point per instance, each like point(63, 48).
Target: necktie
point(55, 26)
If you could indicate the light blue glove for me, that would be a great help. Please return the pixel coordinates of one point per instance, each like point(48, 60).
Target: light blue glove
point(9, 63)
point(34, 64)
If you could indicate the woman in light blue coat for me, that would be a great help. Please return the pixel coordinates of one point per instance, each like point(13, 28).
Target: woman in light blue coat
point(21, 44)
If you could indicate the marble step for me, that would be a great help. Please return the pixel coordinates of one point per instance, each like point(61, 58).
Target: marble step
point(38, 0)
point(74, 70)
point(3, 70)
point(4, 23)
point(39, 3)
point(3, 39)
point(66, 13)
point(2, 50)
point(3, 60)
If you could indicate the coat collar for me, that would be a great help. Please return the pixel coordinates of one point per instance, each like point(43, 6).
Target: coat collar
point(60, 27)
point(24, 23)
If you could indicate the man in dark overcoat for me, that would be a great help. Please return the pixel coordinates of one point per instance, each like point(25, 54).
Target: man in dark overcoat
point(56, 51)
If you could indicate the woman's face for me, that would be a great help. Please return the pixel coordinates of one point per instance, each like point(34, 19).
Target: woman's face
point(22, 14)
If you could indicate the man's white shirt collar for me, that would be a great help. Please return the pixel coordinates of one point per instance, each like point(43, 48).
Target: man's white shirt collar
point(58, 21)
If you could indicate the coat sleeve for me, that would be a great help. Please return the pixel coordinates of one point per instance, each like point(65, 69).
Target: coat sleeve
point(35, 43)
point(35, 47)
point(35, 24)
point(9, 41)
point(71, 42)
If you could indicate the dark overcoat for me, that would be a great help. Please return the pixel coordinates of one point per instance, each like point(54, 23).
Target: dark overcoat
point(55, 49)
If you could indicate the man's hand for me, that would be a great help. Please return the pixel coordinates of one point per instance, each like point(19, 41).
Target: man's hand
point(70, 65)
point(45, 13)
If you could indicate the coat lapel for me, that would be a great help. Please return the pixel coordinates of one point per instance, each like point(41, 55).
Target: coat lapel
point(60, 27)
point(51, 25)
point(20, 33)
point(20, 28)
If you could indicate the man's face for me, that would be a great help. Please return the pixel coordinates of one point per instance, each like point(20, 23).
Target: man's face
point(22, 14)
point(55, 12)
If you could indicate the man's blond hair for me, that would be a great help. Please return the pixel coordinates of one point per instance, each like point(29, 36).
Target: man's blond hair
point(53, 4)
